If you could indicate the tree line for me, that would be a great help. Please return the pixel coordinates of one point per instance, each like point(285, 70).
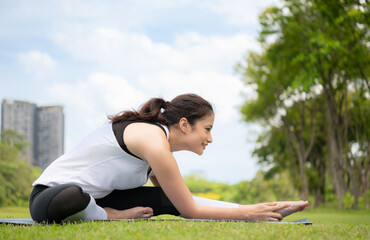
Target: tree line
point(313, 96)
point(16, 177)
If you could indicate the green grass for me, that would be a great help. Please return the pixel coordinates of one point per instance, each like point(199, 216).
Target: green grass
point(328, 224)
point(14, 212)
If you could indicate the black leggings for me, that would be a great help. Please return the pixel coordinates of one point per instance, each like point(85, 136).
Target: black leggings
point(53, 204)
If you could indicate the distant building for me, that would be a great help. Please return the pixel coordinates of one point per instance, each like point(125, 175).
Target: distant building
point(42, 127)
point(49, 134)
point(19, 116)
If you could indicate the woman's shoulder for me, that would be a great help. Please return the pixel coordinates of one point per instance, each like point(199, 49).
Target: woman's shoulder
point(148, 128)
point(142, 138)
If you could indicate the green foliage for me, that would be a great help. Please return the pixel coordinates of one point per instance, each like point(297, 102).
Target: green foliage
point(312, 85)
point(364, 201)
point(202, 187)
point(260, 190)
point(13, 139)
point(349, 200)
point(16, 176)
point(246, 192)
point(197, 184)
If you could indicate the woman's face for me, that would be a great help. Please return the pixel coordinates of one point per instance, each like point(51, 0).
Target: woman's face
point(199, 135)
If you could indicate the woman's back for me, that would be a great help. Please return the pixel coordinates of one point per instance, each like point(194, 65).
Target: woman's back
point(97, 164)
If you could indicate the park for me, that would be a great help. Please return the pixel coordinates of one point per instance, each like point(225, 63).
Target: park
point(311, 102)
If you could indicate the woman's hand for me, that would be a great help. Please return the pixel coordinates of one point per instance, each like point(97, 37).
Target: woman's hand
point(264, 211)
point(295, 206)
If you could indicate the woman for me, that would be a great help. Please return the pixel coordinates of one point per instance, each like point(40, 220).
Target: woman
point(102, 177)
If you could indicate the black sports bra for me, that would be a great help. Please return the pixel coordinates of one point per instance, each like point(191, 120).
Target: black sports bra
point(119, 128)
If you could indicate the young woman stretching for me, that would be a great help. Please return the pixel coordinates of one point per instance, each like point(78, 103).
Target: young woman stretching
point(102, 177)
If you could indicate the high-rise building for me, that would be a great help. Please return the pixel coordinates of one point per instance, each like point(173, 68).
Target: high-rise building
point(19, 116)
point(42, 127)
point(49, 143)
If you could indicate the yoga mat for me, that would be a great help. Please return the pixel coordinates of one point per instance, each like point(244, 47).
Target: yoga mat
point(29, 221)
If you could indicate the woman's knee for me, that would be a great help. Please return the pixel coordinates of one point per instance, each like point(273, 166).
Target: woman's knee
point(59, 202)
point(67, 202)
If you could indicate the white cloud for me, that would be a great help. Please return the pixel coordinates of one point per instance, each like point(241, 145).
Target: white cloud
point(96, 96)
point(116, 93)
point(132, 53)
point(222, 90)
point(216, 53)
point(194, 63)
point(89, 101)
point(239, 12)
point(111, 49)
point(37, 64)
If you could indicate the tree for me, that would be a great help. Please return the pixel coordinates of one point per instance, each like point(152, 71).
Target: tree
point(358, 147)
point(16, 176)
point(314, 48)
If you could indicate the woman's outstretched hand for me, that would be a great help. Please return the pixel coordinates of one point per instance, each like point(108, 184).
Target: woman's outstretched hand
point(295, 206)
point(265, 211)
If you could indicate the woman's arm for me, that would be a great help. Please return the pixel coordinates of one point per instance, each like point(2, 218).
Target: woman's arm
point(149, 142)
point(154, 180)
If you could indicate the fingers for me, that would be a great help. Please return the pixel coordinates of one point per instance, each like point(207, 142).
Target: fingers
point(296, 203)
point(271, 219)
point(271, 203)
point(279, 207)
point(272, 216)
point(301, 205)
point(277, 216)
point(304, 203)
point(276, 211)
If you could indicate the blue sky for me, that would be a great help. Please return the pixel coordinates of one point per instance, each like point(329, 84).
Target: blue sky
point(100, 57)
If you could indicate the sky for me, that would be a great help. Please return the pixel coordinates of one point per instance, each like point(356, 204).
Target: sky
point(96, 58)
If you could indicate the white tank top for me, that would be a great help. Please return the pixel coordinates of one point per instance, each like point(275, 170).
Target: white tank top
point(97, 164)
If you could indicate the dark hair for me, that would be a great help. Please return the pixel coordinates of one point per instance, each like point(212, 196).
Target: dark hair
point(190, 106)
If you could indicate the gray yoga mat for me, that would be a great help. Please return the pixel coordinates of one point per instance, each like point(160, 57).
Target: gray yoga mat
point(29, 221)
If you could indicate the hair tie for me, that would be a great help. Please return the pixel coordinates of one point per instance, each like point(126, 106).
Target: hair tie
point(164, 106)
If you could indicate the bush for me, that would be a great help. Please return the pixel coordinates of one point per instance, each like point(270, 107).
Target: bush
point(348, 201)
point(364, 201)
point(16, 176)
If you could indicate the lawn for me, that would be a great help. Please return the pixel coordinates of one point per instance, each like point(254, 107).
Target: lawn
point(328, 224)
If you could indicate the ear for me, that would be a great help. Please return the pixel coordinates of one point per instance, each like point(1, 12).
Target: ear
point(184, 125)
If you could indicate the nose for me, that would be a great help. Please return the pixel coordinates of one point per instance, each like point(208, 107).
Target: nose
point(209, 138)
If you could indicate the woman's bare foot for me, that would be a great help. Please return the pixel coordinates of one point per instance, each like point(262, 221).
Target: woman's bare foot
point(131, 213)
point(295, 206)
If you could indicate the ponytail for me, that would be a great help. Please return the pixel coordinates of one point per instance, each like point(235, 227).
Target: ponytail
point(190, 106)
